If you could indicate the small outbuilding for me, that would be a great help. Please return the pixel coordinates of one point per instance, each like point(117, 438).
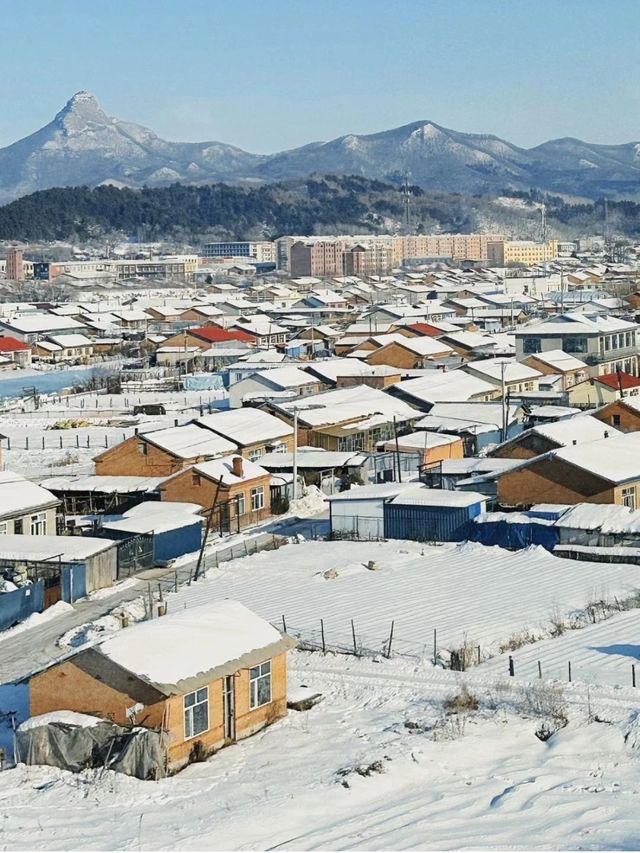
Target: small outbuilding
point(432, 515)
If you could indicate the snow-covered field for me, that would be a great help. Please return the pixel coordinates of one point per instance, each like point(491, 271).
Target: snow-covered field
point(483, 595)
point(603, 653)
point(374, 766)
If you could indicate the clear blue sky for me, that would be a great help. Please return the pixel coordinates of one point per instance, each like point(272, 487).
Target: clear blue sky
point(273, 74)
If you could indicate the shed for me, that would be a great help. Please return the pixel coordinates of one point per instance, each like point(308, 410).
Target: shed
point(438, 515)
point(175, 528)
point(359, 512)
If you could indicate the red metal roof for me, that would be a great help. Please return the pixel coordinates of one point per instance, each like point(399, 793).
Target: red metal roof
point(618, 380)
point(9, 344)
point(216, 335)
point(426, 329)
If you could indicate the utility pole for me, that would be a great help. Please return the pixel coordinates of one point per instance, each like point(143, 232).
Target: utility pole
point(503, 367)
point(562, 289)
point(295, 453)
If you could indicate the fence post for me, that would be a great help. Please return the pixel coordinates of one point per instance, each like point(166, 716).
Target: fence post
point(479, 656)
point(633, 674)
point(390, 639)
point(150, 601)
point(175, 581)
point(353, 634)
point(512, 670)
point(43, 442)
point(435, 646)
point(77, 440)
point(8, 442)
point(160, 591)
point(88, 440)
point(539, 670)
point(106, 440)
point(324, 647)
point(569, 671)
point(26, 442)
point(284, 624)
point(61, 442)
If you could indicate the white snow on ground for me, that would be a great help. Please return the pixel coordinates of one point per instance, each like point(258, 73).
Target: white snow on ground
point(37, 619)
point(599, 654)
point(131, 611)
point(374, 766)
point(483, 594)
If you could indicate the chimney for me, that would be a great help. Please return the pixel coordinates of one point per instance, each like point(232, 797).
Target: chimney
point(606, 433)
point(574, 441)
point(236, 466)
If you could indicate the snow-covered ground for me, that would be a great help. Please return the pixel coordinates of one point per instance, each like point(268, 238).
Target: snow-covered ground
point(483, 595)
point(603, 653)
point(376, 765)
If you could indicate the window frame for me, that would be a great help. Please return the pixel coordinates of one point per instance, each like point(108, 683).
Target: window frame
point(37, 520)
point(254, 684)
point(189, 715)
point(257, 492)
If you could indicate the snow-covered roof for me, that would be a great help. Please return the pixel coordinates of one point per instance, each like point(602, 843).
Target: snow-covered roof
point(471, 340)
point(66, 548)
point(41, 323)
point(615, 459)
point(316, 459)
point(183, 647)
point(559, 360)
point(440, 386)
point(349, 404)
point(493, 369)
point(66, 341)
point(156, 517)
point(438, 498)
point(246, 426)
point(377, 492)
point(286, 377)
point(222, 470)
point(422, 345)
point(17, 494)
point(577, 324)
point(422, 440)
point(105, 484)
point(189, 441)
point(579, 428)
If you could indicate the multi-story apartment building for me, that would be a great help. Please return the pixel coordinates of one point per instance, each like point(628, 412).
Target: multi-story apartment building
point(14, 268)
point(263, 251)
point(526, 252)
point(183, 267)
point(606, 344)
point(316, 257)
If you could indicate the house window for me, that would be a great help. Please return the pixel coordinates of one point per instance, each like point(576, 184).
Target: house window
point(615, 420)
point(257, 498)
point(39, 524)
point(196, 712)
point(260, 685)
point(629, 497)
point(575, 344)
point(195, 479)
point(3, 527)
point(530, 345)
point(255, 454)
point(240, 503)
point(18, 526)
point(142, 448)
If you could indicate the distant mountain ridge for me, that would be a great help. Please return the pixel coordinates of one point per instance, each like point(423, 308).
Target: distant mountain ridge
point(83, 145)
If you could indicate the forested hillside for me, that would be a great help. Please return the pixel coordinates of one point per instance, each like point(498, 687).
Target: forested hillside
point(320, 204)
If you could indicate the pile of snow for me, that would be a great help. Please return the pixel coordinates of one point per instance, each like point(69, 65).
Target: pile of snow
point(71, 718)
point(312, 502)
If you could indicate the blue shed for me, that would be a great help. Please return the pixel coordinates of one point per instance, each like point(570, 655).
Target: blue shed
point(432, 515)
point(176, 528)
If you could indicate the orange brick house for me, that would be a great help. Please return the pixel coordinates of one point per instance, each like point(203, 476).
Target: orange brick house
point(205, 337)
point(235, 490)
point(162, 452)
point(203, 677)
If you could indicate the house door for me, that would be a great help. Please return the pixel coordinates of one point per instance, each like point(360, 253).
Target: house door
point(229, 709)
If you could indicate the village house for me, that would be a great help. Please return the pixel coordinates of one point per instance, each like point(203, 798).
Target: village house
point(162, 452)
point(26, 508)
point(436, 386)
point(205, 677)
point(431, 447)
point(506, 374)
point(279, 381)
point(624, 415)
point(606, 471)
point(29, 329)
point(403, 352)
point(262, 329)
point(543, 438)
point(234, 491)
point(604, 343)
point(599, 390)
point(200, 314)
point(16, 351)
point(63, 347)
point(347, 419)
point(556, 362)
point(205, 337)
point(254, 432)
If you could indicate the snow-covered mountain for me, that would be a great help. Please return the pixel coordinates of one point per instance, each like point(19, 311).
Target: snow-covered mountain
point(83, 145)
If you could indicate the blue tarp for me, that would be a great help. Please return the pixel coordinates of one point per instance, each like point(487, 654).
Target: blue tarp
point(514, 535)
point(17, 605)
point(203, 382)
